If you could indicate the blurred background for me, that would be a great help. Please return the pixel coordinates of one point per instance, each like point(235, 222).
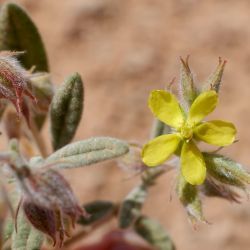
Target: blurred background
point(123, 50)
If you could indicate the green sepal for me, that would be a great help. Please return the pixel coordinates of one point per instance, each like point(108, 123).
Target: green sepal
point(226, 170)
point(187, 87)
point(211, 188)
point(214, 81)
point(189, 197)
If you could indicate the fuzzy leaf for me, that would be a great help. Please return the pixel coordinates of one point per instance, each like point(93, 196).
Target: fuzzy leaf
point(188, 90)
point(18, 33)
point(8, 229)
point(25, 238)
point(226, 170)
point(214, 81)
point(154, 233)
point(66, 111)
point(35, 240)
point(131, 206)
point(36, 161)
point(189, 197)
point(90, 151)
point(98, 210)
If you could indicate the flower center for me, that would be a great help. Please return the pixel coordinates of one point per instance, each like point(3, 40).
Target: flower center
point(186, 132)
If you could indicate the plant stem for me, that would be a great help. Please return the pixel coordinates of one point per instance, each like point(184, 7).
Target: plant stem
point(159, 128)
point(38, 139)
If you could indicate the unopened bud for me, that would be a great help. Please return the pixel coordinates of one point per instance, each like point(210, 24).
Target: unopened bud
point(43, 219)
point(188, 90)
point(211, 188)
point(49, 202)
point(214, 81)
point(226, 170)
point(13, 81)
point(189, 197)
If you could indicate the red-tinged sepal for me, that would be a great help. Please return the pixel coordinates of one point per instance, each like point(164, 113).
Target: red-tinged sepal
point(13, 81)
point(43, 219)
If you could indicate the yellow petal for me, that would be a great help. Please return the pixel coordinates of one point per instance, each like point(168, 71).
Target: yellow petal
point(203, 105)
point(166, 108)
point(193, 167)
point(158, 150)
point(218, 133)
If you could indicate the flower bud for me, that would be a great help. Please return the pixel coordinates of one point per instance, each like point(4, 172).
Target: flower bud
point(226, 170)
point(48, 202)
point(214, 81)
point(211, 188)
point(189, 197)
point(13, 81)
point(41, 218)
point(187, 87)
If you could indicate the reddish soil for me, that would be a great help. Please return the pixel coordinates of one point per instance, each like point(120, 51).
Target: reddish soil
point(124, 49)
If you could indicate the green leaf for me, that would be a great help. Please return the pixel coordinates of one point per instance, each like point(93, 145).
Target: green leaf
point(18, 33)
point(98, 211)
point(226, 170)
point(26, 237)
point(35, 240)
point(131, 206)
point(66, 111)
point(90, 151)
point(154, 233)
point(189, 197)
point(188, 90)
point(36, 161)
point(8, 229)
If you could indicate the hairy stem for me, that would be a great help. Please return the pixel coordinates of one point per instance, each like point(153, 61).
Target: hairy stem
point(38, 139)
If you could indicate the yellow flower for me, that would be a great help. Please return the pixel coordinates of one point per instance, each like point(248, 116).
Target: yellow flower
point(187, 129)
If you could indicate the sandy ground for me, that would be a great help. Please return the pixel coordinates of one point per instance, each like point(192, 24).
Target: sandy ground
point(124, 49)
